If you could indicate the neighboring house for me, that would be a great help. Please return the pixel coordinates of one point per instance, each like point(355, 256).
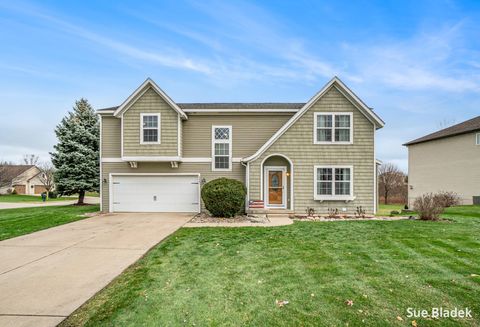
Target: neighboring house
point(447, 160)
point(156, 154)
point(24, 179)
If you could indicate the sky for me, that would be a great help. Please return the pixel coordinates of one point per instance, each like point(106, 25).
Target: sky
point(417, 63)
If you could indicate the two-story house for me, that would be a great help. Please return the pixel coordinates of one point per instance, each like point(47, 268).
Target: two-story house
point(446, 160)
point(156, 154)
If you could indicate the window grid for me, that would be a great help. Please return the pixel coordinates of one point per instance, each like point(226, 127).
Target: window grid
point(221, 147)
point(150, 125)
point(333, 128)
point(333, 181)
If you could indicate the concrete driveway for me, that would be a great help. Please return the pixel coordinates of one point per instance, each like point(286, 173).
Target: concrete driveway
point(46, 275)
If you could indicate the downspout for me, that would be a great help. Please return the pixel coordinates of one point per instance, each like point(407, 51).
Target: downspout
point(247, 182)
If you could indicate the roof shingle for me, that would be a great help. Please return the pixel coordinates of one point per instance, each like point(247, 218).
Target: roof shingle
point(234, 105)
point(10, 172)
point(468, 126)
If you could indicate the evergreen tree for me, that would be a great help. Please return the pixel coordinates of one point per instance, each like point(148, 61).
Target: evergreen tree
point(76, 156)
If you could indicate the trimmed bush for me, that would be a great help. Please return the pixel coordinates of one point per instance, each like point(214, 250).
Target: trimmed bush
point(447, 199)
point(224, 197)
point(428, 207)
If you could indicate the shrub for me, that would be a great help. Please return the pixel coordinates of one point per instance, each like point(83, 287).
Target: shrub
point(394, 212)
point(14, 191)
point(224, 197)
point(447, 199)
point(52, 195)
point(428, 206)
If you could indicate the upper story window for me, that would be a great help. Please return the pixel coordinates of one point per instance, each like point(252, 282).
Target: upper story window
point(333, 182)
point(222, 147)
point(150, 128)
point(478, 139)
point(332, 128)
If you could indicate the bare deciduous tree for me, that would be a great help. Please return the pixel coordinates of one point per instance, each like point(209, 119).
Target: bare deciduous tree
point(30, 159)
point(390, 180)
point(47, 176)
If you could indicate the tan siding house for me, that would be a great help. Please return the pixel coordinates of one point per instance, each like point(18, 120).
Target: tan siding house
point(156, 154)
point(447, 160)
point(24, 179)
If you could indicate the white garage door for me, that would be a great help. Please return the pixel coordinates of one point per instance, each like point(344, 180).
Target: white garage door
point(165, 193)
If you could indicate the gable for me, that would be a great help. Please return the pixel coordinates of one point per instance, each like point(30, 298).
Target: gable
point(346, 95)
point(140, 91)
point(150, 102)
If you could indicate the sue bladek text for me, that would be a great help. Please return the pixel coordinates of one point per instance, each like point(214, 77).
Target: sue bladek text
point(439, 313)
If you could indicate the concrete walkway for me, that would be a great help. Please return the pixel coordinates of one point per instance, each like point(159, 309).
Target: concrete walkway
point(45, 276)
point(15, 205)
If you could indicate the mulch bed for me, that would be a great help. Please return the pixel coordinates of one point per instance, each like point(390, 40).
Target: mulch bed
point(345, 218)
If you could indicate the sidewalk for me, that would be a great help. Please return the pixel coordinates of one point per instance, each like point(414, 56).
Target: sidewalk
point(15, 205)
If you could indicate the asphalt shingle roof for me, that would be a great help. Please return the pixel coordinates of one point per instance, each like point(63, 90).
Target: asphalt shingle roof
point(468, 126)
point(9, 172)
point(232, 105)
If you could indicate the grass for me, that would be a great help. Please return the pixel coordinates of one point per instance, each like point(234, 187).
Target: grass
point(29, 198)
point(233, 276)
point(385, 209)
point(16, 222)
point(93, 194)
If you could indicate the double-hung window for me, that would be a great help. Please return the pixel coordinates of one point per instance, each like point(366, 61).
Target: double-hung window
point(478, 139)
point(149, 128)
point(333, 183)
point(221, 147)
point(332, 128)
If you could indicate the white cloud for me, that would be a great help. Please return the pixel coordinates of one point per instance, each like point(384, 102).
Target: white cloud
point(428, 61)
point(174, 60)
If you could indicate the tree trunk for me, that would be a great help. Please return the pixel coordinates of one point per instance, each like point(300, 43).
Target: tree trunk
point(81, 196)
point(386, 197)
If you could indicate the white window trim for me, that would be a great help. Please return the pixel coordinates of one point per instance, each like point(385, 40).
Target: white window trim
point(332, 197)
point(283, 169)
point(158, 127)
point(229, 141)
point(477, 139)
point(333, 114)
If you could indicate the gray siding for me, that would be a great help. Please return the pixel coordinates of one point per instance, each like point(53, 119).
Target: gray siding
point(150, 102)
point(111, 139)
point(250, 132)
point(204, 169)
point(297, 144)
point(449, 164)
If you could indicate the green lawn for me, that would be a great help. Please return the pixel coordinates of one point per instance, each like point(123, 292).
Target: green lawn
point(385, 209)
point(232, 277)
point(30, 198)
point(16, 222)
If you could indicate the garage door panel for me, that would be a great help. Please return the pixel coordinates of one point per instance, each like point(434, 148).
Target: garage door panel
point(155, 193)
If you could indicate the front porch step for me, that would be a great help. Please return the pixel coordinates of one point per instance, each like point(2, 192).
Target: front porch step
point(263, 211)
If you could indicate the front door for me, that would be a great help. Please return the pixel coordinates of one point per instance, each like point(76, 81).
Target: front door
point(275, 182)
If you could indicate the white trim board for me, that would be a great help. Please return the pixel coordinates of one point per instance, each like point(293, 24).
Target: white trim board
point(333, 114)
point(230, 146)
point(141, 90)
point(153, 158)
point(159, 128)
point(163, 159)
point(333, 197)
point(292, 206)
point(334, 82)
